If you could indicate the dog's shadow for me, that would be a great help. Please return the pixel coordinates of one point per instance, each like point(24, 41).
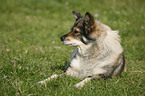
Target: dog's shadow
point(59, 67)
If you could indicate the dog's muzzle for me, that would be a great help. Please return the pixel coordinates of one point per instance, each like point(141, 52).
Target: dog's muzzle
point(62, 38)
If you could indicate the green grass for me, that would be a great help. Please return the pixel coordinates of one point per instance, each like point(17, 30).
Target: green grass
point(30, 48)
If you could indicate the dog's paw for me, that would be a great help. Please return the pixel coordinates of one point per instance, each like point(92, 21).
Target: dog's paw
point(79, 85)
point(48, 79)
point(41, 82)
point(82, 83)
point(44, 81)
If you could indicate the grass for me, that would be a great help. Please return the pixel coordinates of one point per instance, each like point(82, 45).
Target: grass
point(30, 48)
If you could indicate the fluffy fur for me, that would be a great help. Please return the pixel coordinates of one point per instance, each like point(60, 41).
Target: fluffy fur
point(98, 53)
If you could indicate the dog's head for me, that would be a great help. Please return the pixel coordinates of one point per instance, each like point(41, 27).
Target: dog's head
point(81, 31)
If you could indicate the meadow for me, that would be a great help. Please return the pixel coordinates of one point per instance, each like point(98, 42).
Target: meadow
point(31, 50)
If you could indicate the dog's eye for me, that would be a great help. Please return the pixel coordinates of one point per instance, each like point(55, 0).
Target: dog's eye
point(75, 32)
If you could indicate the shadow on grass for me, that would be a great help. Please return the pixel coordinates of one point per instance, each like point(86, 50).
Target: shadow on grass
point(59, 67)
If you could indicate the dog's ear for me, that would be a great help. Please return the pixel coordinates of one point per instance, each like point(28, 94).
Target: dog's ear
point(76, 15)
point(89, 18)
point(89, 22)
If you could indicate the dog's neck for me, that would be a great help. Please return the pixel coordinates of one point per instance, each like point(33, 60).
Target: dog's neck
point(83, 50)
point(87, 50)
point(93, 49)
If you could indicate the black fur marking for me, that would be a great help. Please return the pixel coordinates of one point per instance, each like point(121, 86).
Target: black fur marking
point(75, 24)
point(84, 41)
point(76, 15)
point(73, 55)
point(67, 66)
point(124, 64)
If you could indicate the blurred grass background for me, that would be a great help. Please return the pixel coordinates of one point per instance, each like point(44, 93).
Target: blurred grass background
point(30, 48)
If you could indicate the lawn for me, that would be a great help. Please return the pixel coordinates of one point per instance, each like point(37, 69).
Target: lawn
point(30, 47)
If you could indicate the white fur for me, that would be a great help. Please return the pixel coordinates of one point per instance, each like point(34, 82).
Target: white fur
point(73, 42)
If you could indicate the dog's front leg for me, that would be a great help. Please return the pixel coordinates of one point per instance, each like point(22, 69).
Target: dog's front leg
point(49, 78)
point(82, 83)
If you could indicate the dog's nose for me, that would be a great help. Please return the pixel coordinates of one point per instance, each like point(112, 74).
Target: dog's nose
point(62, 38)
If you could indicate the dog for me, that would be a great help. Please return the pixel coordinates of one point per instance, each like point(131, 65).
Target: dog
point(98, 52)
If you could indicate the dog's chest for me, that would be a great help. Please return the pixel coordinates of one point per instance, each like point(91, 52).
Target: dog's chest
point(76, 62)
point(81, 67)
point(81, 63)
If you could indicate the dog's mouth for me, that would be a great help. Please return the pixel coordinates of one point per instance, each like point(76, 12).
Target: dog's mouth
point(66, 43)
